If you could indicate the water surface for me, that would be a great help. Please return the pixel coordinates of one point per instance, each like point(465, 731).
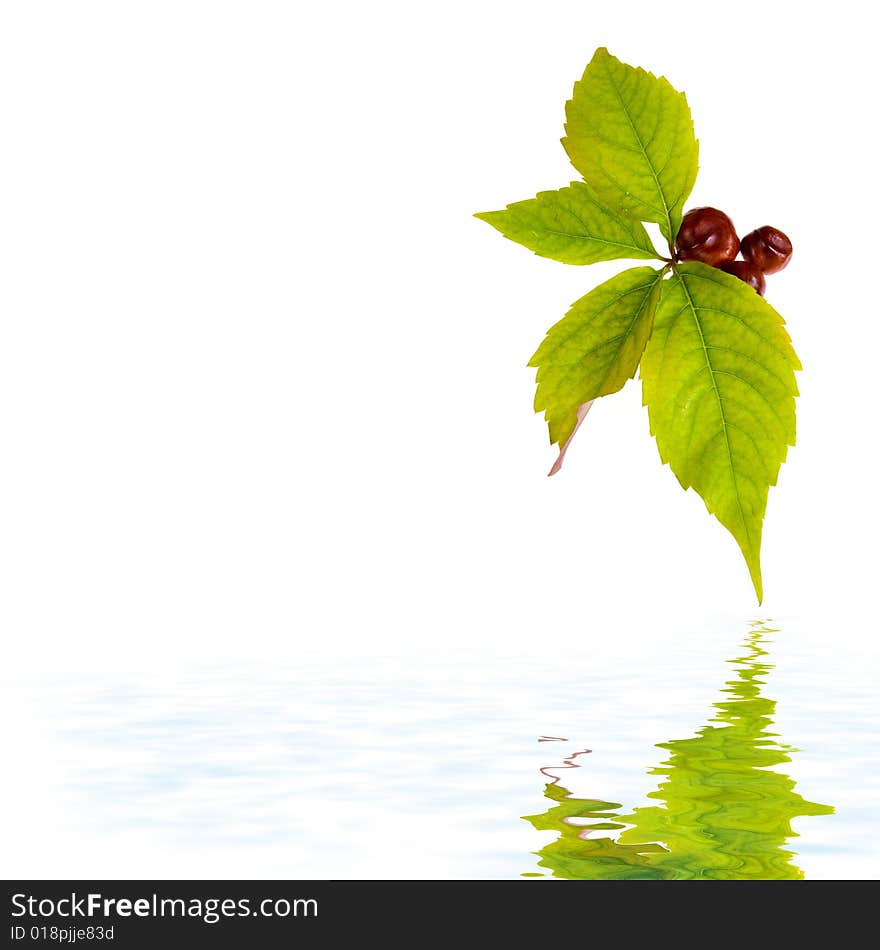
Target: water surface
point(735, 753)
point(725, 808)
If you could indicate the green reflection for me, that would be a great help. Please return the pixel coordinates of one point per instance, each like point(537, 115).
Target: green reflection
point(723, 814)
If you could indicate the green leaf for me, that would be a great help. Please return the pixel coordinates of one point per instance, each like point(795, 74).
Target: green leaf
point(572, 225)
point(718, 381)
point(631, 136)
point(595, 348)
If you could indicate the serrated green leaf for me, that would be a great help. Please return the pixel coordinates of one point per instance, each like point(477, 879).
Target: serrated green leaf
point(631, 136)
point(719, 384)
point(573, 226)
point(595, 348)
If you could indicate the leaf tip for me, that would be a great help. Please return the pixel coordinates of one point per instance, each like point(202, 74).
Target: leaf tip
point(754, 564)
point(603, 54)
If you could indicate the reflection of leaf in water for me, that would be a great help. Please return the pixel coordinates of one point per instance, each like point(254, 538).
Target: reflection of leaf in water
point(725, 813)
point(575, 857)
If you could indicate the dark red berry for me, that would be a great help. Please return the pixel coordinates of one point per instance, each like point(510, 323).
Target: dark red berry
point(706, 235)
point(746, 271)
point(767, 248)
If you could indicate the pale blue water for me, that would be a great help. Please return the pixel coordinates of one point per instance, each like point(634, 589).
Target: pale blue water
point(414, 766)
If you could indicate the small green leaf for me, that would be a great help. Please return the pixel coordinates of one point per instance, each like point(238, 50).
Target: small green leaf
point(631, 136)
point(718, 381)
point(595, 348)
point(572, 225)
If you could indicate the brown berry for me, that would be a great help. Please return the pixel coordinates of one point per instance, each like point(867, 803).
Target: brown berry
point(706, 235)
point(767, 248)
point(746, 271)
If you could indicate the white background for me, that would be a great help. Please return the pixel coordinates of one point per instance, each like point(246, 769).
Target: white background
point(262, 374)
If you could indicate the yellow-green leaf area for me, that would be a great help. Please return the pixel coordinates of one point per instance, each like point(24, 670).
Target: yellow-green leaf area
point(718, 380)
point(595, 348)
point(631, 135)
point(572, 225)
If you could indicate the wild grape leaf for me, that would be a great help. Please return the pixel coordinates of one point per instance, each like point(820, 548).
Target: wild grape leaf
point(631, 136)
point(595, 348)
point(572, 225)
point(718, 380)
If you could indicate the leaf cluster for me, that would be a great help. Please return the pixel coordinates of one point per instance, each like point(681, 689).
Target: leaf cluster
point(717, 365)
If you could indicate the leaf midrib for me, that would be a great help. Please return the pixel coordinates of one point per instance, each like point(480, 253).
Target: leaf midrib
point(602, 309)
point(598, 240)
point(622, 337)
point(733, 475)
point(626, 335)
point(669, 234)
